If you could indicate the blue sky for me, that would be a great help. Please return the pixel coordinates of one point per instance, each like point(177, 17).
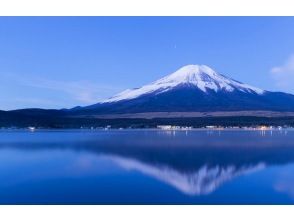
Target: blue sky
point(56, 62)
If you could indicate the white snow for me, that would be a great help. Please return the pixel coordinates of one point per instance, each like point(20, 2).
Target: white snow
point(200, 76)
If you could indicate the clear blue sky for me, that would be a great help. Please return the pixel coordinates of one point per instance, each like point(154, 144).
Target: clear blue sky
point(56, 62)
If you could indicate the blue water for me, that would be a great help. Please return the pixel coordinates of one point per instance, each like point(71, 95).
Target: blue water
point(146, 167)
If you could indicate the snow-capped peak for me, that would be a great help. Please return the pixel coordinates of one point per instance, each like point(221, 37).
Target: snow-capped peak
point(200, 76)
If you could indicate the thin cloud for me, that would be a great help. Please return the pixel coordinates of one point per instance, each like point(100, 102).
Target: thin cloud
point(284, 75)
point(83, 91)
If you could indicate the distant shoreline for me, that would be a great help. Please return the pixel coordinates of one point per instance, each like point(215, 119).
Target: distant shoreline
point(154, 115)
point(61, 120)
point(216, 129)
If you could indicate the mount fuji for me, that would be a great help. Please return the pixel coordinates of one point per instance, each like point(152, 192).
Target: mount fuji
point(194, 95)
point(193, 89)
point(200, 76)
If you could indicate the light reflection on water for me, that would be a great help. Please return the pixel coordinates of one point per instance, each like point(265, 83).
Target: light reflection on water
point(147, 167)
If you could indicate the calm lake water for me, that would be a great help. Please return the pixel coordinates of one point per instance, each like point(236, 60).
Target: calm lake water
point(146, 167)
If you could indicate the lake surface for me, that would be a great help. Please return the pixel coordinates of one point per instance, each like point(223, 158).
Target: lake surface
point(146, 167)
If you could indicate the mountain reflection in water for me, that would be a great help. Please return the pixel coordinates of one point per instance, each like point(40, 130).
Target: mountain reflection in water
point(202, 181)
point(193, 163)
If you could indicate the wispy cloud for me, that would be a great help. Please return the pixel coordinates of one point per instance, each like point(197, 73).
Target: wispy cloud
point(83, 91)
point(284, 74)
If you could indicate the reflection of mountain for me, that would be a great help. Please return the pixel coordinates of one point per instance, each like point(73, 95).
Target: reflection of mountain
point(194, 162)
point(202, 181)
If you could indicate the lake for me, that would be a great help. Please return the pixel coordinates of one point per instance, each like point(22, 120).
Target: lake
point(146, 167)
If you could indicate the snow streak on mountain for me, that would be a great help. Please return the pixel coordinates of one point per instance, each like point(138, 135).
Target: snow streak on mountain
point(199, 76)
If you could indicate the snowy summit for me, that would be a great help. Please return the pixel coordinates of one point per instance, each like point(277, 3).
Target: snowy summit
point(200, 76)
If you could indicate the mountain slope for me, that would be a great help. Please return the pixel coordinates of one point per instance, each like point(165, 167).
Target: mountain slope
point(202, 77)
point(193, 88)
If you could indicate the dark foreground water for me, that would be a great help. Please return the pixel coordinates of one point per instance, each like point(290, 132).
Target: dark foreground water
point(146, 167)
